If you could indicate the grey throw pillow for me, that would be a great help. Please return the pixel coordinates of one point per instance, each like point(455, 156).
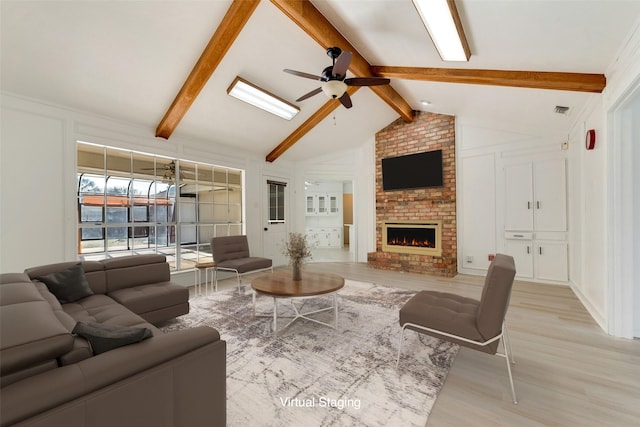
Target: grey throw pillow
point(107, 337)
point(68, 285)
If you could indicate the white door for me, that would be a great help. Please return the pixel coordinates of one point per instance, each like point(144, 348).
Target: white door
point(551, 261)
point(522, 253)
point(518, 197)
point(550, 195)
point(276, 218)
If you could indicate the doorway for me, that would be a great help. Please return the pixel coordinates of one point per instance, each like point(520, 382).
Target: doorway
point(624, 225)
point(329, 220)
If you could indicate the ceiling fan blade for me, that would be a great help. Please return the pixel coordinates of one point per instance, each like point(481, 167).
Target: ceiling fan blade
point(310, 94)
point(345, 100)
point(367, 81)
point(301, 74)
point(342, 64)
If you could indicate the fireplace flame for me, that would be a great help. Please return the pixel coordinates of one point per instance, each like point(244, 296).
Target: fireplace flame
point(404, 241)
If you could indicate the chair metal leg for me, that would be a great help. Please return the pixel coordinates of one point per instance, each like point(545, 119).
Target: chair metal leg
point(400, 347)
point(196, 284)
point(507, 351)
point(238, 277)
point(507, 342)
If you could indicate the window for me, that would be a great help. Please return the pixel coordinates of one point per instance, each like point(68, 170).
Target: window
point(276, 201)
point(134, 203)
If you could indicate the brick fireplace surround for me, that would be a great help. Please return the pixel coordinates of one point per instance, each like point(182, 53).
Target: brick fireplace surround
point(427, 132)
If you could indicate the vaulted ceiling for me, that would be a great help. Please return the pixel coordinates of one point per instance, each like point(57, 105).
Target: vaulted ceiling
point(166, 65)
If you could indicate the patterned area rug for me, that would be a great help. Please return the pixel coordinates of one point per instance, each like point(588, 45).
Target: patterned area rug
point(313, 375)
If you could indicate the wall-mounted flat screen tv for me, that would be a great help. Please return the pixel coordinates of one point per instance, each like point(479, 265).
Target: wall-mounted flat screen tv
point(419, 170)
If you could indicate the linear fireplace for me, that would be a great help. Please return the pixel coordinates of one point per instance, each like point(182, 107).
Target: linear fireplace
point(412, 237)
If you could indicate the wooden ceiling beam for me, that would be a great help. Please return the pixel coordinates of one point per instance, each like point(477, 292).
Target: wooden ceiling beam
point(578, 82)
point(234, 20)
point(309, 124)
point(309, 19)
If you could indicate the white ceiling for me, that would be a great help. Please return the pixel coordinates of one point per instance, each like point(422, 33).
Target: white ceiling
point(128, 59)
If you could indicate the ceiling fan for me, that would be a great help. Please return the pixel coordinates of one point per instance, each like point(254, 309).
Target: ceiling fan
point(334, 83)
point(168, 171)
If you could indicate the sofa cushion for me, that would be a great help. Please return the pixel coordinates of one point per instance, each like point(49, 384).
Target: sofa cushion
point(127, 272)
point(107, 337)
point(67, 285)
point(156, 296)
point(31, 335)
point(103, 309)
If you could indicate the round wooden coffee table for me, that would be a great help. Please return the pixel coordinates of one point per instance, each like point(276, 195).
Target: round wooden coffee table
point(280, 284)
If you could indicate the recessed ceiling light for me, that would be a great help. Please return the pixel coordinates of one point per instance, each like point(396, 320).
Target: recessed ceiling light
point(445, 28)
point(258, 97)
point(425, 103)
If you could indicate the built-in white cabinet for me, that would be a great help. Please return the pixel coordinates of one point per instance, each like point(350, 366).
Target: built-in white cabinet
point(538, 258)
point(325, 237)
point(535, 218)
point(536, 196)
point(322, 204)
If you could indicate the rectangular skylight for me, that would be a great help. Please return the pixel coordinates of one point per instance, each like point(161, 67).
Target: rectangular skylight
point(443, 24)
point(258, 97)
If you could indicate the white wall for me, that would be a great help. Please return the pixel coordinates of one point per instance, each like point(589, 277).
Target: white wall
point(38, 176)
point(33, 212)
point(587, 206)
point(602, 204)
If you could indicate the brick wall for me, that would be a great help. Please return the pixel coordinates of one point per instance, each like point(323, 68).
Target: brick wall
point(427, 132)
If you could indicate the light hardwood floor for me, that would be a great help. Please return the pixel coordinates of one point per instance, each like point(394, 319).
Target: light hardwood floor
point(568, 372)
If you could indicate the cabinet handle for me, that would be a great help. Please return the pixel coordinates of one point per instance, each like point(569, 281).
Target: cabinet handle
point(540, 250)
point(528, 205)
point(528, 249)
point(537, 205)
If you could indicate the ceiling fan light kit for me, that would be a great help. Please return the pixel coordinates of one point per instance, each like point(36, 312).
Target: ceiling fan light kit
point(445, 28)
point(334, 88)
point(248, 92)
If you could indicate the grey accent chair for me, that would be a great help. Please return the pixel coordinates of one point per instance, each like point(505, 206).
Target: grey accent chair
point(231, 253)
point(465, 321)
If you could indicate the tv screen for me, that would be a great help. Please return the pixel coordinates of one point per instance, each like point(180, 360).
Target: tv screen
point(419, 170)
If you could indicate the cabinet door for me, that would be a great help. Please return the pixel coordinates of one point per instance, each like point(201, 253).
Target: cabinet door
point(518, 197)
point(522, 253)
point(550, 191)
point(551, 261)
point(310, 206)
point(335, 238)
point(322, 204)
point(333, 204)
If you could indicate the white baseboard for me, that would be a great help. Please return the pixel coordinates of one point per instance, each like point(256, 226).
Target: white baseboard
point(600, 319)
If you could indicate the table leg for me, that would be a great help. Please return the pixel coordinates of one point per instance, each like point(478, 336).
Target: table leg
point(335, 306)
point(275, 317)
point(253, 297)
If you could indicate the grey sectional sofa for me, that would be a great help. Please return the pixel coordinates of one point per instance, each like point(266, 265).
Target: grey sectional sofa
point(52, 377)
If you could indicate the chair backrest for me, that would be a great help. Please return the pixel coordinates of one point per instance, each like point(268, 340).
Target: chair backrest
point(229, 247)
point(495, 295)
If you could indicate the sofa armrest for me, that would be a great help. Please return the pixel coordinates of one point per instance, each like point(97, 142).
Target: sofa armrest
point(37, 394)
